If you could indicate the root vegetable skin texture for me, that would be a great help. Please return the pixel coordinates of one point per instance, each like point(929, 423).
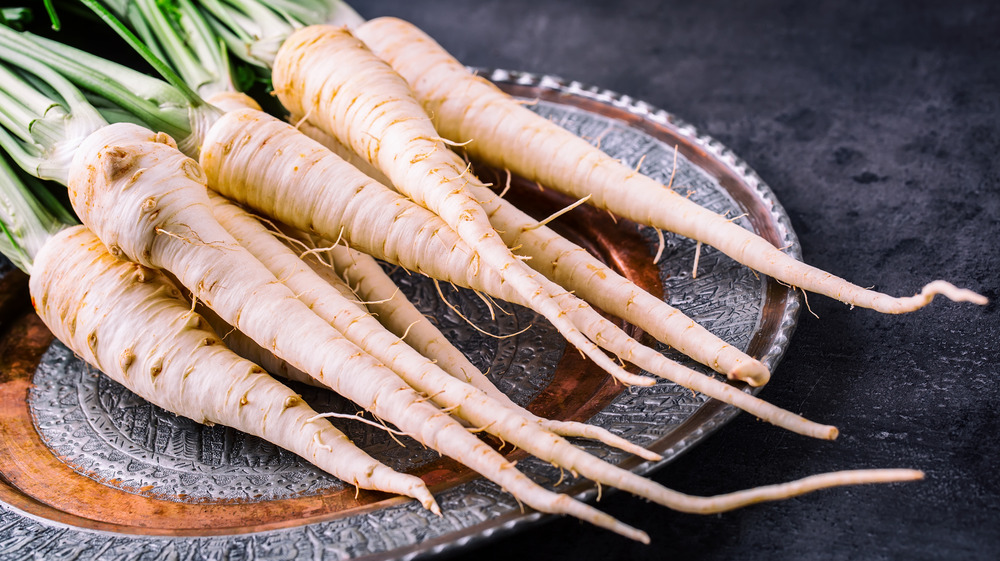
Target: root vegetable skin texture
point(493, 412)
point(575, 269)
point(165, 219)
point(301, 183)
point(474, 405)
point(404, 320)
point(400, 316)
point(307, 187)
point(131, 323)
point(509, 136)
point(328, 75)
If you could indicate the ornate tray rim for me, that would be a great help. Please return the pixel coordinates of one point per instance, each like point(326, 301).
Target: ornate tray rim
point(718, 414)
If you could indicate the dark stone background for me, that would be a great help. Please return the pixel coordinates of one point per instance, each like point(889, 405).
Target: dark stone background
point(877, 126)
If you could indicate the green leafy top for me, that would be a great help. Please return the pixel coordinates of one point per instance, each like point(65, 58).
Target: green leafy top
point(255, 29)
point(29, 216)
point(44, 115)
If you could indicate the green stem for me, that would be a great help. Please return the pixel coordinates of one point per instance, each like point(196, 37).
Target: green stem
point(50, 127)
point(168, 74)
point(176, 122)
point(16, 149)
point(53, 16)
point(29, 216)
point(15, 17)
point(255, 29)
point(140, 85)
point(188, 44)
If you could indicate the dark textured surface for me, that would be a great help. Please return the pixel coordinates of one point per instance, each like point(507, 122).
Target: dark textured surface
point(877, 126)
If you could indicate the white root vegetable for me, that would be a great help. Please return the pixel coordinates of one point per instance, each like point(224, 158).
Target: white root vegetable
point(401, 317)
point(299, 182)
point(467, 401)
point(472, 404)
point(131, 323)
point(327, 74)
point(148, 202)
point(509, 136)
point(575, 269)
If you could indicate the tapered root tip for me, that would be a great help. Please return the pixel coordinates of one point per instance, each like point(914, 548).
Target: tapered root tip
point(634, 379)
point(583, 430)
point(924, 297)
point(781, 491)
point(636, 450)
point(953, 293)
point(564, 504)
point(629, 532)
point(842, 478)
point(426, 499)
point(753, 373)
point(647, 455)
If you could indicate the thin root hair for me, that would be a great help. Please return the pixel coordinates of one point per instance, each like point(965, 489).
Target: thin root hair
point(556, 214)
point(451, 142)
point(805, 297)
point(355, 418)
point(407, 330)
point(697, 257)
point(451, 306)
point(196, 240)
point(506, 186)
point(661, 244)
point(673, 171)
point(300, 121)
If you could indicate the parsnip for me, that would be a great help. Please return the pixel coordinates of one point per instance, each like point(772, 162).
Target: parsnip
point(475, 406)
point(328, 75)
point(401, 317)
point(132, 324)
point(509, 136)
point(299, 182)
point(148, 202)
point(575, 269)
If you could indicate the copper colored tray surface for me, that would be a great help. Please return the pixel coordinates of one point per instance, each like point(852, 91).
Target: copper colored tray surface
point(87, 467)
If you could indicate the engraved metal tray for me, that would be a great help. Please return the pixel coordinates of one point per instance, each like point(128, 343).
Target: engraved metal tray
point(89, 470)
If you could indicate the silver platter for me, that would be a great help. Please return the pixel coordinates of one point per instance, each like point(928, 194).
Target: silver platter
point(105, 433)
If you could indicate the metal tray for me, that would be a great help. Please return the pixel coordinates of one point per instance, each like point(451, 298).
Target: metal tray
point(88, 470)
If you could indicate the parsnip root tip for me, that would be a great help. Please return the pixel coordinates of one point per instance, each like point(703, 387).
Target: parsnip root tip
point(926, 295)
point(634, 380)
point(622, 529)
point(648, 455)
point(782, 491)
point(753, 373)
point(851, 477)
point(429, 503)
point(952, 292)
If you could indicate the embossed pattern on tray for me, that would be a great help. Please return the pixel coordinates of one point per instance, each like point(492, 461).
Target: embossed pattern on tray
point(72, 405)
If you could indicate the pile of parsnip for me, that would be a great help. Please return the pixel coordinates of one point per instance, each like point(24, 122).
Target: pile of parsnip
point(171, 192)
